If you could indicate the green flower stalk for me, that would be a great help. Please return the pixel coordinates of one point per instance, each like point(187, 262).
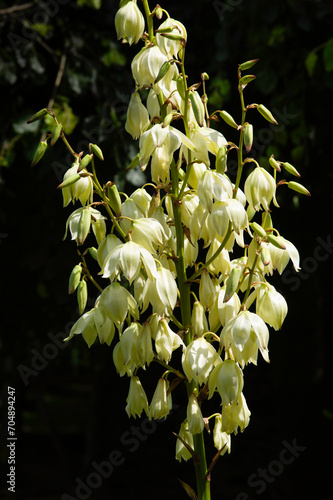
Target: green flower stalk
point(155, 293)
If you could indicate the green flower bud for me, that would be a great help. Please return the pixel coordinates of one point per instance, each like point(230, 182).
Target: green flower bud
point(181, 86)
point(221, 160)
point(97, 151)
point(292, 170)
point(232, 282)
point(295, 186)
point(74, 278)
point(248, 64)
point(82, 295)
point(37, 116)
point(266, 114)
point(276, 241)
point(93, 253)
point(274, 164)
point(69, 181)
point(248, 136)
point(265, 255)
point(114, 199)
point(228, 119)
point(245, 80)
point(260, 231)
point(163, 71)
point(56, 133)
point(198, 108)
point(85, 162)
point(39, 153)
point(84, 226)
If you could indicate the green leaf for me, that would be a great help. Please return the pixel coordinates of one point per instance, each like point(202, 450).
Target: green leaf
point(328, 56)
point(310, 62)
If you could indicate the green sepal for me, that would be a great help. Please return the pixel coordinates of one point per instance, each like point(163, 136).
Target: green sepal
point(176, 37)
point(42, 147)
point(248, 64)
point(265, 256)
point(56, 133)
point(69, 181)
point(266, 114)
point(228, 119)
point(97, 151)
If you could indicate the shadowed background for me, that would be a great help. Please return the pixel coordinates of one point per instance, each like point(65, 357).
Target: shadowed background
point(70, 404)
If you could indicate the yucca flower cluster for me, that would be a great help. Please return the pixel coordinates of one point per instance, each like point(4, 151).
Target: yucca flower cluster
point(184, 260)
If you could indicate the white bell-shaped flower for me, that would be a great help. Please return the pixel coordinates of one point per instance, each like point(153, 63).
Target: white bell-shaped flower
point(199, 359)
point(271, 306)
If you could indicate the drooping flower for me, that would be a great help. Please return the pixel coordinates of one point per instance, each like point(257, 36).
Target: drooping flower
point(260, 188)
point(199, 359)
point(129, 22)
point(137, 120)
point(137, 401)
point(194, 416)
point(271, 306)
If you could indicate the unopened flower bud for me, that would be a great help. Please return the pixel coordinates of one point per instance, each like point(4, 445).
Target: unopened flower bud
point(42, 147)
point(84, 226)
point(221, 160)
point(198, 108)
point(228, 119)
point(82, 295)
point(37, 116)
point(75, 278)
point(274, 164)
point(295, 186)
point(248, 64)
point(228, 378)
point(114, 199)
point(56, 133)
point(266, 114)
point(248, 136)
point(292, 170)
point(233, 282)
point(97, 151)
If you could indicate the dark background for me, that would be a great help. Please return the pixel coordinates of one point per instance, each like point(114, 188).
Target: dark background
point(69, 401)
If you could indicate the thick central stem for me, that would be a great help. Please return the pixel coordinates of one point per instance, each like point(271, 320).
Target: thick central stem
point(203, 485)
